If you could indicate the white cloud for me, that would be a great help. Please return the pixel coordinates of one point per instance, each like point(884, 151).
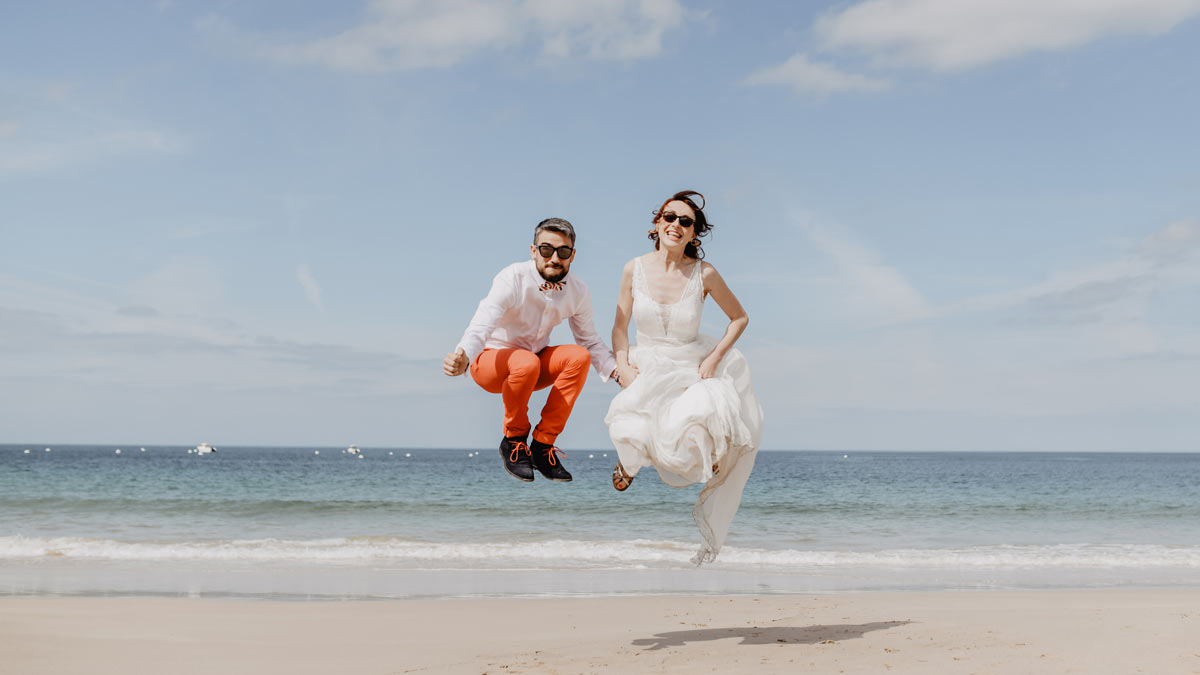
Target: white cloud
point(312, 290)
point(603, 29)
point(948, 35)
point(807, 77)
point(407, 34)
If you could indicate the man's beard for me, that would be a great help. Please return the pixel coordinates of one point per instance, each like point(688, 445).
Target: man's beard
point(555, 275)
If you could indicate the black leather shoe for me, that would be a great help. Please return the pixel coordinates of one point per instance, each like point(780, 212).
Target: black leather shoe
point(546, 461)
point(516, 458)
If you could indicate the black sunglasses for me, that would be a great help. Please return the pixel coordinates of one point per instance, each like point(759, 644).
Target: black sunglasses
point(546, 250)
point(670, 217)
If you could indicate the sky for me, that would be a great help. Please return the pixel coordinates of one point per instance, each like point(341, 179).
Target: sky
point(955, 226)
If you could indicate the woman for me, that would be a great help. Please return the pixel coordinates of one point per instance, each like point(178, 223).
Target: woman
point(687, 406)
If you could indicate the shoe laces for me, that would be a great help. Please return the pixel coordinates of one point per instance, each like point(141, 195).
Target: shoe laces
point(550, 452)
point(516, 448)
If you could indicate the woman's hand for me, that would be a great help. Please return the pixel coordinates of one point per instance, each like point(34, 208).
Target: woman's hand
point(626, 375)
point(708, 367)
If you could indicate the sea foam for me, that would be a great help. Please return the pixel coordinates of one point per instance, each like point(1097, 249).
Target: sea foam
point(566, 554)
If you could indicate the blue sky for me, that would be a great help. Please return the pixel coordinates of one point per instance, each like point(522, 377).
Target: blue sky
point(955, 226)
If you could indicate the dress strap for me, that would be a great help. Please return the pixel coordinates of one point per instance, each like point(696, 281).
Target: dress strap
point(695, 279)
point(639, 277)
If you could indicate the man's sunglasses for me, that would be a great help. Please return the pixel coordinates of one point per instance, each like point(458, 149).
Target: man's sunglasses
point(670, 217)
point(546, 250)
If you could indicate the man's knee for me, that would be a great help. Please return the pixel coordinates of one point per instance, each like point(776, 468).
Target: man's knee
point(524, 364)
point(576, 356)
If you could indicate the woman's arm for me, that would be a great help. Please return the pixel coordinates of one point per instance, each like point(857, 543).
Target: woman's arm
point(738, 320)
point(626, 374)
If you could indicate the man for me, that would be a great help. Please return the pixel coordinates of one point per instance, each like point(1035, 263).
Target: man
point(506, 348)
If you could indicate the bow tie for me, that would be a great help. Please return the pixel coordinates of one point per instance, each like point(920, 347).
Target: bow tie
point(552, 286)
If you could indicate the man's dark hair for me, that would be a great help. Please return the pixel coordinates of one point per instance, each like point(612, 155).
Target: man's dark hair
point(558, 225)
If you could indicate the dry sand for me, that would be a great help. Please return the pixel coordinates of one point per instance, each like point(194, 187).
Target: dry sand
point(1091, 631)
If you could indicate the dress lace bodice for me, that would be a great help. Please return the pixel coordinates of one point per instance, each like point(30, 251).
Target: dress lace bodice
point(677, 322)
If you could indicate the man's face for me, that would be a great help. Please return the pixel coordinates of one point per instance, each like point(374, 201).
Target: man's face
point(553, 268)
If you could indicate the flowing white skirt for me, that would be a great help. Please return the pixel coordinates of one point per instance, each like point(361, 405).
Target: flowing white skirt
point(681, 425)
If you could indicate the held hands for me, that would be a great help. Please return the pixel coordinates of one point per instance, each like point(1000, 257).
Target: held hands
point(626, 375)
point(455, 363)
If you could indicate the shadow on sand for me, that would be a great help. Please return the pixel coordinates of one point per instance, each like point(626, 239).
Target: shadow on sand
point(754, 635)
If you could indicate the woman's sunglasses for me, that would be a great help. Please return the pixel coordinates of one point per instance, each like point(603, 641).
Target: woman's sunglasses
point(546, 250)
point(670, 217)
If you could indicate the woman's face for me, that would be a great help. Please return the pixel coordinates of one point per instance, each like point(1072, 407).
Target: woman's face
point(675, 235)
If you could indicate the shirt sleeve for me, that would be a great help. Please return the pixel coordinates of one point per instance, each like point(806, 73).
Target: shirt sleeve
point(584, 329)
point(499, 300)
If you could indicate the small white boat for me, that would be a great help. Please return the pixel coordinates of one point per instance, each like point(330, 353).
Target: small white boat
point(204, 449)
point(353, 450)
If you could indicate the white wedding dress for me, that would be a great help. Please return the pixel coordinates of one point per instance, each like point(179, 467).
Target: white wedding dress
point(680, 424)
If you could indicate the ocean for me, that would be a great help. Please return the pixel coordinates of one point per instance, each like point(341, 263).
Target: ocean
point(318, 523)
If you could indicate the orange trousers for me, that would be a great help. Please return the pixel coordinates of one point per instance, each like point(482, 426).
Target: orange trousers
point(516, 373)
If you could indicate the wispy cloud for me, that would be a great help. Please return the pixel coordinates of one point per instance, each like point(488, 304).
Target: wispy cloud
point(23, 156)
point(947, 36)
point(181, 285)
point(411, 34)
point(1104, 291)
point(807, 77)
point(876, 289)
point(50, 334)
point(312, 290)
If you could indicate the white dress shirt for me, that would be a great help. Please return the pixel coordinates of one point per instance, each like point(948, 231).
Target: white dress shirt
point(516, 314)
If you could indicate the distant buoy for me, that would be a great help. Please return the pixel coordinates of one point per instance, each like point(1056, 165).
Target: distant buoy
point(118, 451)
point(408, 454)
point(27, 452)
point(845, 456)
point(390, 454)
point(143, 450)
point(316, 452)
point(47, 449)
point(591, 457)
point(360, 456)
point(605, 454)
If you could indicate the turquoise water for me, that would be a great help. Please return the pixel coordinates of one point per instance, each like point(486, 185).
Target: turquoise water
point(289, 522)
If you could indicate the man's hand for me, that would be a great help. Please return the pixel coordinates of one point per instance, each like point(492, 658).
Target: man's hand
point(455, 363)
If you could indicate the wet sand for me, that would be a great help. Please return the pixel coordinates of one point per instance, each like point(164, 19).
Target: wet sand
point(1085, 631)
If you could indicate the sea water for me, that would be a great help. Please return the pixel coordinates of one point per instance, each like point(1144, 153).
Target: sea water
point(405, 522)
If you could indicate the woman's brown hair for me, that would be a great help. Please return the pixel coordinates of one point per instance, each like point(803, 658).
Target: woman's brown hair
point(702, 226)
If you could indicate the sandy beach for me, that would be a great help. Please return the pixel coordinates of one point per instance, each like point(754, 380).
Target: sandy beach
point(1087, 631)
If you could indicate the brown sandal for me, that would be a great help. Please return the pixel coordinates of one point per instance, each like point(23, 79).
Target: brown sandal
point(620, 479)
